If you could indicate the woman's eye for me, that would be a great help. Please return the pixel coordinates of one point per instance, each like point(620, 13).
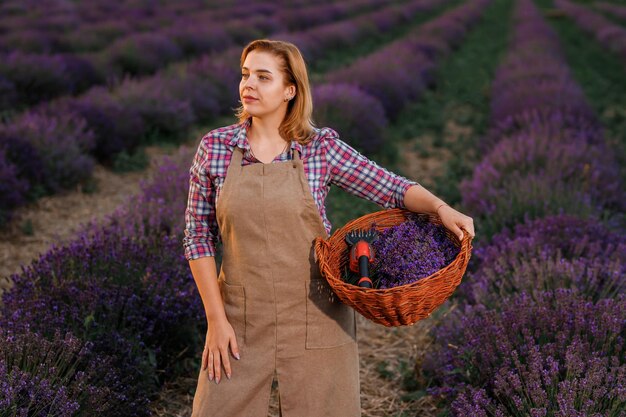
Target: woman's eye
point(244, 75)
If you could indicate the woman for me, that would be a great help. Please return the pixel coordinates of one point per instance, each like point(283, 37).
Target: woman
point(259, 187)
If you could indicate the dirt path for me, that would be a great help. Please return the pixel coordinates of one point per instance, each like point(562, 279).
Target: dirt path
point(385, 355)
point(56, 219)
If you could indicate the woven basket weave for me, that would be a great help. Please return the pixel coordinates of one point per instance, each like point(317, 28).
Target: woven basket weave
point(396, 306)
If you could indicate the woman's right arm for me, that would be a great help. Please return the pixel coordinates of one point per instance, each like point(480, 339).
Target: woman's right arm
point(204, 272)
point(201, 233)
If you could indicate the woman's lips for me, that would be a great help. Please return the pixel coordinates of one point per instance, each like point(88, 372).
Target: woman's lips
point(249, 99)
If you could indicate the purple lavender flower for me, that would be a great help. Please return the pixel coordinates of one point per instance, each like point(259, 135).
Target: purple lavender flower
point(115, 127)
point(539, 172)
point(161, 111)
point(410, 251)
point(342, 106)
point(609, 34)
point(60, 376)
point(392, 84)
point(552, 354)
point(611, 9)
point(62, 145)
point(141, 53)
point(35, 77)
point(545, 254)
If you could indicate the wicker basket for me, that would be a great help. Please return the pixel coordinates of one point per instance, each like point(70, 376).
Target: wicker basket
point(397, 306)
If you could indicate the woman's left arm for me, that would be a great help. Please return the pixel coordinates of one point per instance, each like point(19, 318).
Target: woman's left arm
point(358, 175)
point(420, 200)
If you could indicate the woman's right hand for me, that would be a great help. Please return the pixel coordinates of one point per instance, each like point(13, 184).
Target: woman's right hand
point(219, 336)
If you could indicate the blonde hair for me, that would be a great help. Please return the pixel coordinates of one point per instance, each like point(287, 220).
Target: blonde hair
point(298, 123)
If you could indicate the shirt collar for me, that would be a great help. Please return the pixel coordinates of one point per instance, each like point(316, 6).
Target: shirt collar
point(240, 138)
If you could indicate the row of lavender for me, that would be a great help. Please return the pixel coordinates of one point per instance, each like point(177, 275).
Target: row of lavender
point(612, 9)
point(610, 35)
point(54, 27)
point(53, 146)
point(542, 325)
point(123, 296)
point(382, 91)
point(29, 78)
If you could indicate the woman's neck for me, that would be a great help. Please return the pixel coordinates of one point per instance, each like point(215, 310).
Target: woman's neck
point(266, 131)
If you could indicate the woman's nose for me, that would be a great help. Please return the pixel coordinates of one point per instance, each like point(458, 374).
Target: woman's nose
point(249, 83)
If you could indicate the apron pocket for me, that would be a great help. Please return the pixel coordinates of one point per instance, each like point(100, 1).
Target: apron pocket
point(328, 323)
point(235, 307)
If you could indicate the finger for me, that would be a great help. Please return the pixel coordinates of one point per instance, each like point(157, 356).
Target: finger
point(226, 361)
point(457, 231)
point(217, 366)
point(210, 365)
point(470, 228)
point(234, 347)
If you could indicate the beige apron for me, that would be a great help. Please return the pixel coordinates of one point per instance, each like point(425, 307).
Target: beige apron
point(278, 303)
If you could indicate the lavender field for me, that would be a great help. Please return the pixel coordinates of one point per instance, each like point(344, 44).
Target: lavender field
point(512, 111)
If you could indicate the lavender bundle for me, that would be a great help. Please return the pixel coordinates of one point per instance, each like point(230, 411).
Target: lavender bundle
point(410, 251)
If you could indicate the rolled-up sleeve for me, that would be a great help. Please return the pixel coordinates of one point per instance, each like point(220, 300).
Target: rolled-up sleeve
point(201, 230)
point(358, 175)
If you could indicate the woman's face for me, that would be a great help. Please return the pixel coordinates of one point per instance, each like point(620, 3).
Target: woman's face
point(262, 80)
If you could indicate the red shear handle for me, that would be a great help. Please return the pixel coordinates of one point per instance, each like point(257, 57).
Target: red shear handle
point(362, 248)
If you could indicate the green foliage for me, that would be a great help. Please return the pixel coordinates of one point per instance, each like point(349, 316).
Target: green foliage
point(27, 227)
point(342, 57)
point(461, 98)
point(125, 162)
point(600, 74)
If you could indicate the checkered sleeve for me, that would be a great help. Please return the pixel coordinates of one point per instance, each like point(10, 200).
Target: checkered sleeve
point(201, 230)
point(362, 177)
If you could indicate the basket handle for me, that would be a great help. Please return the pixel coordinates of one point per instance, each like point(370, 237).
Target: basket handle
point(321, 248)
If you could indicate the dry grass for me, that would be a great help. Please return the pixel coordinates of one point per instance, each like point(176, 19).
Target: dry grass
point(384, 354)
point(55, 219)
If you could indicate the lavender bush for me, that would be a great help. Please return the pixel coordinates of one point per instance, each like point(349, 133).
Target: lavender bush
point(409, 251)
point(141, 53)
point(552, 122)
point(91, 37)
point(545, 254)
point(539, 172)
point(314, 42)
point(200, 39)
point(123, 287)
point(162, 113)
point(343, 106)
point(134, 300)
point(554, 354)
point(552, 87)
point(392, 84)
point(62, 145)
point(157, 209)
point(8, 94)
point(115, 127)
point(12, 188)
point(610, 35)
point(35, 77)
point(611, 9)
point(61, 377)
point(28, 39)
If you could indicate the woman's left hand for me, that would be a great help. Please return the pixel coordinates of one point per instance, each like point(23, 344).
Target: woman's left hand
point(455, 221)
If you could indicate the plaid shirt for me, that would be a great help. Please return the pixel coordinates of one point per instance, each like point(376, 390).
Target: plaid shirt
point(326, 159)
